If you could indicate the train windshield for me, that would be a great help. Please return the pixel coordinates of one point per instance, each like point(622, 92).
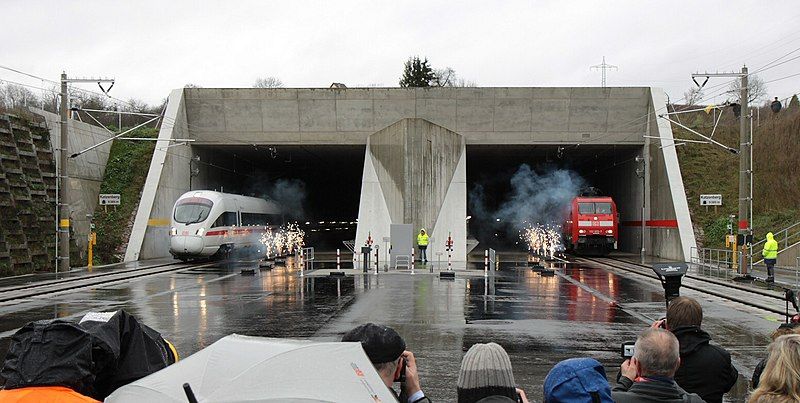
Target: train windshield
point(602, 208)
point(586, 208)
point(192, 210)
point(594, 208)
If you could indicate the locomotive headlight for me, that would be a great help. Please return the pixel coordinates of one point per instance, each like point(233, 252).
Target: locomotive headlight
point(609, 231)
point(200, 231)
point(173, 231)
point(581, 231)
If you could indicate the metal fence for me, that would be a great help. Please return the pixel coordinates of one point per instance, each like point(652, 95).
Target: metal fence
point(306, 258)
point(720, 263)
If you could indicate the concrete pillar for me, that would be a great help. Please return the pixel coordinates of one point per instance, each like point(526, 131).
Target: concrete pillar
point(415, 173)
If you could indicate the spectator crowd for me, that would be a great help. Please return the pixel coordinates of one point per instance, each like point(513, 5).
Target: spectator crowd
point(672, 361)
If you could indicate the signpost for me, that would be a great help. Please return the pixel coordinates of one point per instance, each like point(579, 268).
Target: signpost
point(109, 199)
point(711, 200)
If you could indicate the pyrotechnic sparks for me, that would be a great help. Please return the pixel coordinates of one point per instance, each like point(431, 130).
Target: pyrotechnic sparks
point(284, 240)
point(542, 240)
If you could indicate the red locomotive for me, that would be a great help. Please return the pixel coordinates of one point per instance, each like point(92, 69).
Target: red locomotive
point(591, 226)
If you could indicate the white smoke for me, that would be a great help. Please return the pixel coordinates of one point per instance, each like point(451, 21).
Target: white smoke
point(533, 198)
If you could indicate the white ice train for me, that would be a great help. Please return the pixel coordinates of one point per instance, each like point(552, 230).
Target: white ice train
point(213, 224)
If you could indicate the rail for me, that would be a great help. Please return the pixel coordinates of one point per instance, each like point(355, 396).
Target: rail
point(758, 298)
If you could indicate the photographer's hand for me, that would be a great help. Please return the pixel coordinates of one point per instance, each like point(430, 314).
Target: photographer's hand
point(629, 369)
point(411, 385)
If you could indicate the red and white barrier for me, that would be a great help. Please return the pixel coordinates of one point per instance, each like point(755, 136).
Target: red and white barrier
point(486, 263)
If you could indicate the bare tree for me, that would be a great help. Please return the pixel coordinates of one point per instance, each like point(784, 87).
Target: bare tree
point(17, 96)
point(268, 82)
point(756, 86)
point(447, 77)
point(693, 95)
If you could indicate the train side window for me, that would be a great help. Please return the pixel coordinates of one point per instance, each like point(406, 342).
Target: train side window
point(254, 219)
point(603, 208)
point(586, 208)
point(225, 219)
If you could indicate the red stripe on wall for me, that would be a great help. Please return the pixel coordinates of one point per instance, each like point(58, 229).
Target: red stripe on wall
point(652, 223)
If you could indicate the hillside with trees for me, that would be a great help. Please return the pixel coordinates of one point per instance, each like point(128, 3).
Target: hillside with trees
point(709, 169)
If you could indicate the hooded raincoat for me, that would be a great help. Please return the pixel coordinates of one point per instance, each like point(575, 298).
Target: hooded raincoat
point(770, 247)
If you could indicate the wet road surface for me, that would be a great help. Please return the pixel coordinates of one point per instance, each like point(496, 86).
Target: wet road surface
point(539, 320)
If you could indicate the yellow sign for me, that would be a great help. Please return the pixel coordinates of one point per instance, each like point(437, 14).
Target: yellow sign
point(64, 223)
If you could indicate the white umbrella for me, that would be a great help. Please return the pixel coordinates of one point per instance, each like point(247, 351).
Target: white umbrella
point(257, 369)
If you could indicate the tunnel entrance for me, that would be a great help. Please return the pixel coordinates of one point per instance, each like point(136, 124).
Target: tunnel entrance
point(490, 169)
point(317, 186)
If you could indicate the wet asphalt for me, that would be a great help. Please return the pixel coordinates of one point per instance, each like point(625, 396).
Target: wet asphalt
point(539, 320)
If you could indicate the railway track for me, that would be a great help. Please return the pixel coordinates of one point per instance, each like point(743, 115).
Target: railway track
point(19, 292)
point(766, 300)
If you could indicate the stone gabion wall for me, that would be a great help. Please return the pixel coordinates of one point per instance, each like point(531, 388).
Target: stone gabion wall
point(27, 195)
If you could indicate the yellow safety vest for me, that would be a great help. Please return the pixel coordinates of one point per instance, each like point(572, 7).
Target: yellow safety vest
point(422, 239)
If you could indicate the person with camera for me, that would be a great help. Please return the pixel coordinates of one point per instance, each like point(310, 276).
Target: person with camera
point(387, 352)
point(705, 369)
point(649, 375)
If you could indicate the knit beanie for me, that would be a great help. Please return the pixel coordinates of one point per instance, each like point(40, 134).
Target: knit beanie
point(485, 371)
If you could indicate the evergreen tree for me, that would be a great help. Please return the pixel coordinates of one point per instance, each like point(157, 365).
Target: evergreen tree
point(793, 103)
point(417, 73)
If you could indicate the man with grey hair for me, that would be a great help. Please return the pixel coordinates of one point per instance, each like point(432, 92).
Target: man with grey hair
point(648, 376)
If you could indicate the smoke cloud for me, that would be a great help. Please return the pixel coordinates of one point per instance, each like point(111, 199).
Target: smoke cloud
point(533, 198)
point(290, 194)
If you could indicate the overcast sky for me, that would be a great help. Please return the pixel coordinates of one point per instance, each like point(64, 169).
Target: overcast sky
point(151, 47)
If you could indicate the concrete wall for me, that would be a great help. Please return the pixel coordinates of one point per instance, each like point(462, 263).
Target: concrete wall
point(625, 186)
point(167, 179)
point(419, 170)
point(481, 115)
point(85, 171)
point(667, 194)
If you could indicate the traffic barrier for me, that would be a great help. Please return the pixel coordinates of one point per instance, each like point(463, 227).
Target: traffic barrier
point(413, 260)
point(486, 263)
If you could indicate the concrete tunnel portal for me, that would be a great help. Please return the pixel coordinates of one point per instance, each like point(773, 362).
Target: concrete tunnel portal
point(319, 186)
point(490, 170)
point(381, 156)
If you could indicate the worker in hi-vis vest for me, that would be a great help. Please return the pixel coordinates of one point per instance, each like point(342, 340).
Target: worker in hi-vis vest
point(770, 254)
point(422, 244)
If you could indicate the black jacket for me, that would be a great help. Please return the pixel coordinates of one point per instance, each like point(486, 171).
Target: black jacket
point(627, 391)
point(757, 373)
point(705, 369)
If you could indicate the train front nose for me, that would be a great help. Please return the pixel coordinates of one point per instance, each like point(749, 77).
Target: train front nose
point(186, 244)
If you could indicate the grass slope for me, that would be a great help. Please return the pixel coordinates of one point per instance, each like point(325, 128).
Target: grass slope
point(126, 172)
point(710, 169)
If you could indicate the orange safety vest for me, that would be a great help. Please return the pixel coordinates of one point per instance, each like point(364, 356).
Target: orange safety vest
point(43, 394)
